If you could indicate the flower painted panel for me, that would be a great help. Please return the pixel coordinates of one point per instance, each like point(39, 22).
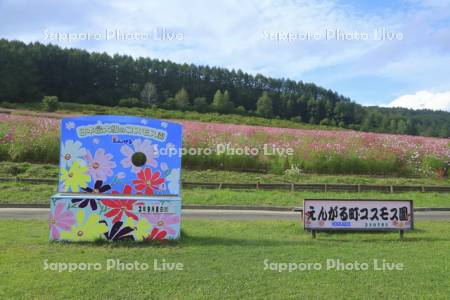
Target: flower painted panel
point(115, 154)
point(81, 218)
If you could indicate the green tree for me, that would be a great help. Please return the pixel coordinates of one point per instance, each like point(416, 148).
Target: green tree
point(50, 103)
point(325, 122)
point(240, 110)
point(30, 71)
point(221, 102)
point(19, 76)
point(182, 99)
point(343, 113)
point(290, 106)
point(149, 94)
point(200, 104)
point(264, 105)
point(229, 106)
point(217, 101)
point(313, 111)
point(371, 122)
point(169, 103)
point(401, 126)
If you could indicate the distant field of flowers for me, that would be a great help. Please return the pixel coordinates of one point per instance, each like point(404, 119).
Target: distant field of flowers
point(257, 148)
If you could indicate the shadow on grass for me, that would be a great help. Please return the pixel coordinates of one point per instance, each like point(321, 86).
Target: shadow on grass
point(322, 237)
point(119, 244)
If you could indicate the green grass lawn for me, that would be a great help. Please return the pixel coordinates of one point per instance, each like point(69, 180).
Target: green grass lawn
point(247, 177)
point(291, 199)
point(225, 260)
point(13, 192)
point(29, 170)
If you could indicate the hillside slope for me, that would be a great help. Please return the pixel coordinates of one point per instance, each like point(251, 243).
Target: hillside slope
point(28, 72)
point(35, 138)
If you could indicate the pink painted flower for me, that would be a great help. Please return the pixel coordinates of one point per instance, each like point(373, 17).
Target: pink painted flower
point(60, 220)
point(163, 222)
point(100, 165)
point(144, 147)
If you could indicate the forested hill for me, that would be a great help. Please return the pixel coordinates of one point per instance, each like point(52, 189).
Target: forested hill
point(28, 72)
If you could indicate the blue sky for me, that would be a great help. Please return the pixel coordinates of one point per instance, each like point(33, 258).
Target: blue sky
point(330, 43)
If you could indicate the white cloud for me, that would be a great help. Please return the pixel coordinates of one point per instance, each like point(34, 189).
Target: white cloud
point(424, 100)
point(230, 34)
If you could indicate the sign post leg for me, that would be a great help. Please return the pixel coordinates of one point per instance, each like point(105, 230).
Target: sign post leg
point(313, 232)
point(401, 234)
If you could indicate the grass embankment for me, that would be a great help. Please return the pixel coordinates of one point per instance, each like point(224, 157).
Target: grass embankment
point(23, 192)
point(29, 170)
point(225, 260)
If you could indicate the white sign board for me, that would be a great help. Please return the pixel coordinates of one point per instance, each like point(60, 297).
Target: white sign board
point(358, 214)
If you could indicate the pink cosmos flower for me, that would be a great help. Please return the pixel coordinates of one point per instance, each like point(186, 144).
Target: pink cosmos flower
point(144, 147)
point(163, 221)
point(60, 220)
point(100, 165)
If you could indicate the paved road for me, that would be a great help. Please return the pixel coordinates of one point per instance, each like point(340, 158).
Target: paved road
point(214, 214)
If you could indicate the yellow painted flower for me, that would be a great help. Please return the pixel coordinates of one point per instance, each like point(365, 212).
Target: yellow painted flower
point(130, 222)
point(75, 178)
point(142, 229)
point(88, 230)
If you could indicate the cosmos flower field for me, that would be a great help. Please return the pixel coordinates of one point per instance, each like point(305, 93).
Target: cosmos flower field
point(257, 148)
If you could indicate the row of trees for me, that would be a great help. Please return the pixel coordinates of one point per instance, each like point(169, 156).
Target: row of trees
point(30, 71)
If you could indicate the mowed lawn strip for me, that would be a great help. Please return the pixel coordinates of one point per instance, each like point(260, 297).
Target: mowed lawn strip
point(225, 260)
point(22, 192)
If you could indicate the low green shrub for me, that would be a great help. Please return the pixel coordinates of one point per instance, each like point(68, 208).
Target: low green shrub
point(130, 102)
point(50, 103)
point(433, 166)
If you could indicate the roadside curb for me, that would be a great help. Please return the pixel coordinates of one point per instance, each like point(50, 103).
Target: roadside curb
point(217, 207)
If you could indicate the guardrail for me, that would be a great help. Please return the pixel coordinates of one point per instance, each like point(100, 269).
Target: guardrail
point(315, 187)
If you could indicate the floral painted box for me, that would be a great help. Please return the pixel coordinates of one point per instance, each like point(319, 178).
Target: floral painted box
point(111, 154)
point(119, 179)
point(114, 217)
